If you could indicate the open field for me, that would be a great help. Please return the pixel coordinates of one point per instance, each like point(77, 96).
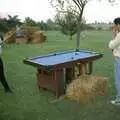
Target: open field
point(28, 103)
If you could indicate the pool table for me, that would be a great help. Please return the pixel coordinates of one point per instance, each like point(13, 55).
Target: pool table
point(56, 70)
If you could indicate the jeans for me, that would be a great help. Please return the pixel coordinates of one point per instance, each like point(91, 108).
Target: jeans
point(2, 77)
point(117, 75)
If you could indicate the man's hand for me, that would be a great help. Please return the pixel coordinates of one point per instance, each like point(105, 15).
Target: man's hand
point(115, 30)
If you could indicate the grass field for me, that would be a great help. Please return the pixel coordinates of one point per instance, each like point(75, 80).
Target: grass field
point(28, 103)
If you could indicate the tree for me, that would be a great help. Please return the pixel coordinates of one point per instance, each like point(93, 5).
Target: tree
point(3, 25)
point(67, 23)
point(77, 7)
point(43, 25)
point(29, 22)
point(9, 23)
point(50, 24)
point(12, 21)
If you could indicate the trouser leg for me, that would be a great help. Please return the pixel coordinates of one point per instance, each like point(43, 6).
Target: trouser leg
point(2, 77)
point(117, 75)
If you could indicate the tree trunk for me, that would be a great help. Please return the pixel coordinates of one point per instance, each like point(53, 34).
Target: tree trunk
point(78, 36)
point(70, 37)
point(79, 29)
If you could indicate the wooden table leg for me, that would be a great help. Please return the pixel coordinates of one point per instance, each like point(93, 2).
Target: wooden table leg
point(85, 68)
point(59, 86)
point(82, 68)
point(70, 74)
point(90, 67)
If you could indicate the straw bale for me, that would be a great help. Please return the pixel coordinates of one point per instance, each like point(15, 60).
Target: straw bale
point(38, 37)
point(20, 40)
point(86, 88)
point(11, 37)
point(32, 35)
point(29, 32)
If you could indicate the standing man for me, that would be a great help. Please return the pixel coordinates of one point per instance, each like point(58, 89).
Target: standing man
point(115, 46)
point(2, 75)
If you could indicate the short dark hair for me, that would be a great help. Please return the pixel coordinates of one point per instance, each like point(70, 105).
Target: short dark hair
point(117, 21)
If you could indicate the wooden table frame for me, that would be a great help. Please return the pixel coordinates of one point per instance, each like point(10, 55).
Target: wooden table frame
point(54, 77)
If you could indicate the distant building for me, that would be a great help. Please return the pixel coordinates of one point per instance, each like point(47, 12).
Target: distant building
point(104, 26)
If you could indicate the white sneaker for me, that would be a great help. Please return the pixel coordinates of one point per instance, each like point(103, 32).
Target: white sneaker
point(116, 101)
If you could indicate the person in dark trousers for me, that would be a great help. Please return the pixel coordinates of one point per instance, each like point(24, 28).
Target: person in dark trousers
point(2, 75)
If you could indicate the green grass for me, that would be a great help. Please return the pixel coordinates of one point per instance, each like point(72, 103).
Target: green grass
point(28, 103)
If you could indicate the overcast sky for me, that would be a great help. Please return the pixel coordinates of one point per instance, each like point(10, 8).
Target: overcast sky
point(41, 10)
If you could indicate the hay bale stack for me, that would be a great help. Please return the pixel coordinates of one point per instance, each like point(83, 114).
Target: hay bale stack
point(38, 37)
point(11, 37)
point(86, 88)
point(29, 32)
point(31, 35)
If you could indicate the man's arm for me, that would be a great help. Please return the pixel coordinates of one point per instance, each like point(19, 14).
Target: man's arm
point(115, 42)
point(4, 40)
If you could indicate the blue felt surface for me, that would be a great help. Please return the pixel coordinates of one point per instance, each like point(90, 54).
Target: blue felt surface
point(61, 58)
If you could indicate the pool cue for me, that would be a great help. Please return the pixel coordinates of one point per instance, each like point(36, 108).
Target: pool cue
point(4, 40)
